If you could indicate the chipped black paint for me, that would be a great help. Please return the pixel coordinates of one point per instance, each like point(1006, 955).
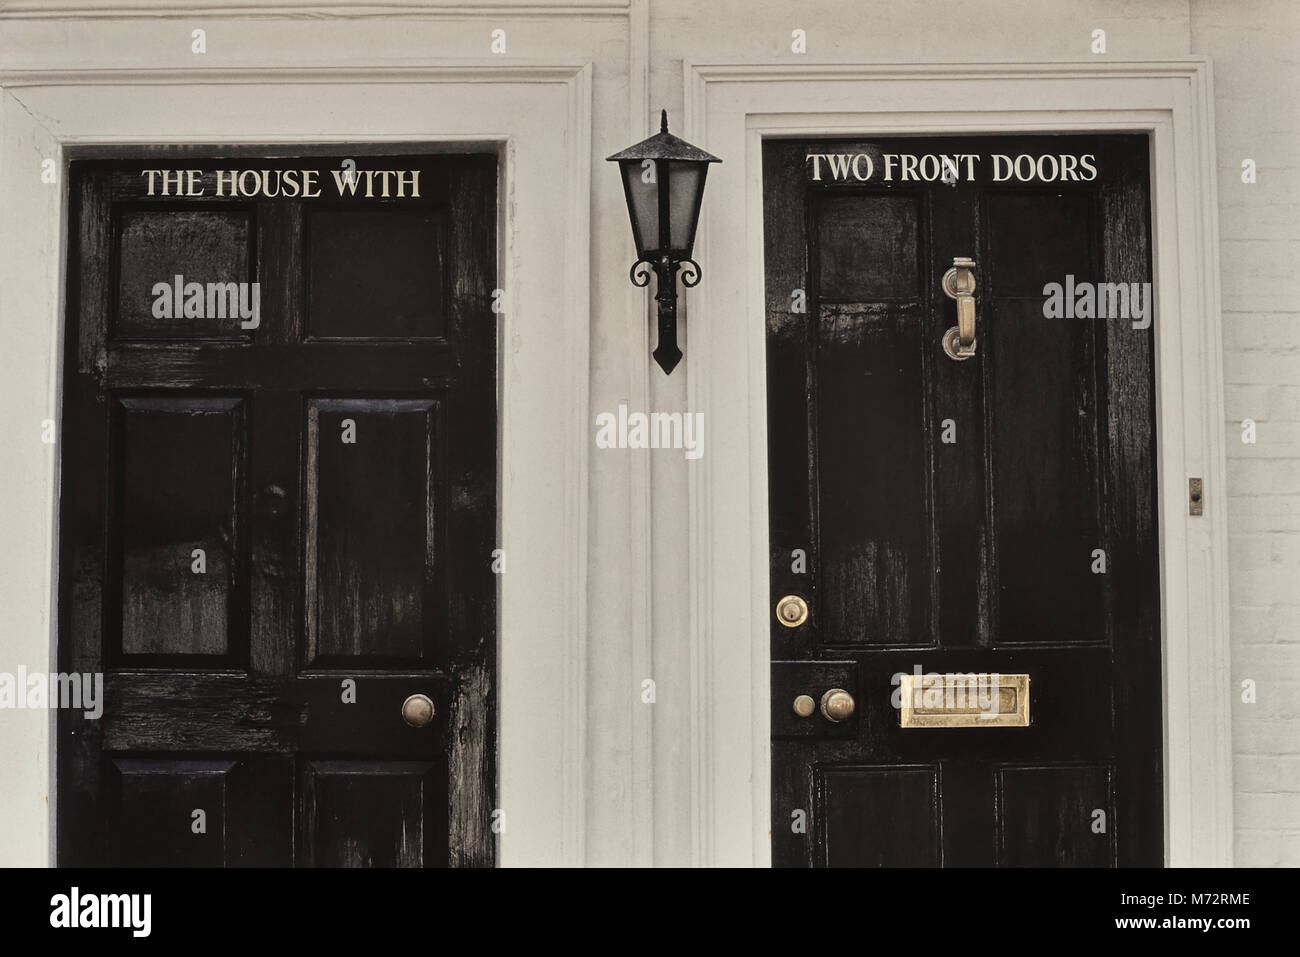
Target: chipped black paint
point(323, 562)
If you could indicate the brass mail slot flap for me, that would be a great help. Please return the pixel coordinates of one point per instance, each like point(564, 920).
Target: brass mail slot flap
point(964, 700)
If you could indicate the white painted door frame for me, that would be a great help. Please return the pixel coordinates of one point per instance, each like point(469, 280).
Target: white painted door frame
point(537, 117)
point(730, 108)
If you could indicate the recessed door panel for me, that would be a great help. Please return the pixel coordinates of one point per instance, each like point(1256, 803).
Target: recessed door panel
point(879, 817)
point(358, 814)
point(179, 528)
point(377, 273)
point(373, 510)
point(871, 561)
point(1053, 816)
point(868, 247)
point(170, 812)
point(174, 265)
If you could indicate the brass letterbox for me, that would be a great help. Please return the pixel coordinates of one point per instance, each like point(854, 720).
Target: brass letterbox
point(964, 700)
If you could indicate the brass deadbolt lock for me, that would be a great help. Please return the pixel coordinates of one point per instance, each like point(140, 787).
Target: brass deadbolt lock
point(792, 611)
point(804, 706)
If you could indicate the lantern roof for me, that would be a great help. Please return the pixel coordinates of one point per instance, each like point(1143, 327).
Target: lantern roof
point(664, 146)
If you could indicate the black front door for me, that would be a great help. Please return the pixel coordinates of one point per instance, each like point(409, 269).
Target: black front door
point(964, 580)
point(278, 511)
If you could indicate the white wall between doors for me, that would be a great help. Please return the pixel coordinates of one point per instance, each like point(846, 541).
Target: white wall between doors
point(638, 569)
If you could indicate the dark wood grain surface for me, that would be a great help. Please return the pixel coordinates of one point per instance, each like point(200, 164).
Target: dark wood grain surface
point(972, 555)
point(326, 560)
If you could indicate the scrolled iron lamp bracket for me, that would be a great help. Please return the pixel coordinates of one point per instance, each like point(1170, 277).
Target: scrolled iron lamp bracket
point(666, 271)
point(663, 182)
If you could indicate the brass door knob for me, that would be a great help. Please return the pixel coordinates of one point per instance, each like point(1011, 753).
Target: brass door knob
point(837, 705)
point(792, 611)
point(417, 710)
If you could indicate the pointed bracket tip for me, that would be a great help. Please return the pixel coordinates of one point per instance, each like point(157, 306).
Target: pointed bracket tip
point(667, 358)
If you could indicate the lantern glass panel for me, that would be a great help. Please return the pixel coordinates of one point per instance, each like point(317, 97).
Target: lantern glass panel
point(643, 198)
point(685, 184)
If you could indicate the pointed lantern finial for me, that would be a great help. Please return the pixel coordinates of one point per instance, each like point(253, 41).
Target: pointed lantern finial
point(663, 121)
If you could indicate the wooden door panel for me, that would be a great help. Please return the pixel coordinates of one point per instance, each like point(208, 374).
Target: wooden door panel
point(879, 816)
point(157, 244)
point(373, 511)
point(873, 563)
point(1045, 457)
point(1053, 816)
point(178, 534)
point(868, 247)
point(372, 814)
point(377, 274)
point(245, 800)
point(170, 812)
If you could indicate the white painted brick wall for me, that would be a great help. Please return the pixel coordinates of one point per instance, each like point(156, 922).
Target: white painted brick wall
point(1257, 115)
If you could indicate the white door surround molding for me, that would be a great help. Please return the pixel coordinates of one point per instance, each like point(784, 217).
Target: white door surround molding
point(537, 118)
point(730, 108)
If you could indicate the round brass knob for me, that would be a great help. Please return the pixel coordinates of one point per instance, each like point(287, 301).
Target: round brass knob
point(837, 705)
point(792, 611)
point(417, 710)
point(804, 706)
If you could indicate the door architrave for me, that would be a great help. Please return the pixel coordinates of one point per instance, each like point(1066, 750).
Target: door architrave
point(730, 108)
point(514, 110)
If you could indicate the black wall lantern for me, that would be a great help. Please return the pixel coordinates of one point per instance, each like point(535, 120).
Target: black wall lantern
point(663, 180)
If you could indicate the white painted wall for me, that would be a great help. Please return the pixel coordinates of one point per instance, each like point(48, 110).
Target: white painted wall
point(1257, 116)
point(640, 777)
